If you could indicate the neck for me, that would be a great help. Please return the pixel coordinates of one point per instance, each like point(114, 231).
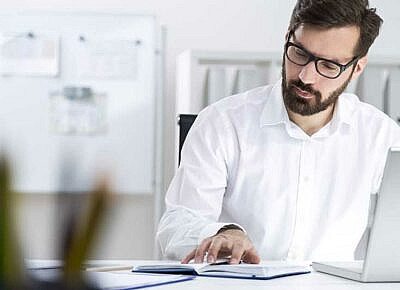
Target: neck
point(312, 124)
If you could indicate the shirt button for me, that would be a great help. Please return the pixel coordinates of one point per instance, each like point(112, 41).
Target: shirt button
point(306, 178)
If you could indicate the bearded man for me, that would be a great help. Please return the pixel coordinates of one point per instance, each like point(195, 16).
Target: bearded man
point(286, 171)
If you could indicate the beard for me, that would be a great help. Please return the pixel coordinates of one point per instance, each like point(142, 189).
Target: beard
point(308, 107)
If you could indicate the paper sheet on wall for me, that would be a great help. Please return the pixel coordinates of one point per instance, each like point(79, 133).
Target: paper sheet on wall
point(29, 54)
point(107, 59)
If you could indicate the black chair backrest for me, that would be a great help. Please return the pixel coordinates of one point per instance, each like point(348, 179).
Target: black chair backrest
point(185, 121)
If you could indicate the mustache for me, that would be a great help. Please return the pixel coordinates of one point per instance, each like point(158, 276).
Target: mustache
point(307, 88)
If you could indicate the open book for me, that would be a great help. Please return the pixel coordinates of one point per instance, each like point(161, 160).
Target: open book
point(223, 269)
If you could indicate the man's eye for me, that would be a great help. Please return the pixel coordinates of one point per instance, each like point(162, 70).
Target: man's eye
point(328, 65)
point(300, 52)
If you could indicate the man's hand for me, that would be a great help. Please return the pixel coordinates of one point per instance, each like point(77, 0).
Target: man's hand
point(230, 242)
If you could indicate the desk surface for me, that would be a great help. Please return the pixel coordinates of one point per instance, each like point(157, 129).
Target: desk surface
point(314, 280)
point(310, 281)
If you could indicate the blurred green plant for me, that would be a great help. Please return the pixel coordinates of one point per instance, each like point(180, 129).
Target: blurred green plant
point(11, 264)
point(83, 228)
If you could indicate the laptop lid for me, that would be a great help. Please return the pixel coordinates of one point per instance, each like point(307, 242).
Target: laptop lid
point(382, 261)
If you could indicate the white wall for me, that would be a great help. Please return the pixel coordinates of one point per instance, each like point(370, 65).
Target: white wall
point(127, 231)
point(245, 25)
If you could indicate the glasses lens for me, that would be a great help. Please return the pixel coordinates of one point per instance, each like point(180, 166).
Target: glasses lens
point(328, 69)
point(297, 55)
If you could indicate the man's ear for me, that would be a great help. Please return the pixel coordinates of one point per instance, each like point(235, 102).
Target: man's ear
point(360, 66)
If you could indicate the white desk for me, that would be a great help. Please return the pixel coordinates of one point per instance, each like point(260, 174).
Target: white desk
point(310, 281)
point(314, 280)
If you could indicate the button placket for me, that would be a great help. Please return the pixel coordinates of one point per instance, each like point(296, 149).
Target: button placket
point(305, 185)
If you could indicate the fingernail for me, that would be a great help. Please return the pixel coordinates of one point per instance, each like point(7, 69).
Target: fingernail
point(211, 259)
point(233, 261)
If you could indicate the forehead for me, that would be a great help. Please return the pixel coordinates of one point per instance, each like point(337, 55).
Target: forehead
point(332, 43)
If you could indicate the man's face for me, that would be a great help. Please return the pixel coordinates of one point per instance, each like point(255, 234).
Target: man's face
point(304, 90)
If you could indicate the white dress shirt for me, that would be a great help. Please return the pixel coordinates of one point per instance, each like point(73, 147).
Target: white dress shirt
point(297, 196)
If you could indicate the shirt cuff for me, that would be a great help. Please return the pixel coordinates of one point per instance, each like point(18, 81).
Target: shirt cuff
point(212, 229)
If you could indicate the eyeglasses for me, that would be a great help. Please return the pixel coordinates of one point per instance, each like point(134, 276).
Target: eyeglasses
point(325, 67)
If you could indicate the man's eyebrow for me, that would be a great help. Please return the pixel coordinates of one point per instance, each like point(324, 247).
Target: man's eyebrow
point(305, 49)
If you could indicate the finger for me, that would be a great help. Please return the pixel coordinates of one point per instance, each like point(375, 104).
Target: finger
point(214, 248)
point(189, 257)
point(251, 256)
point(226, 249)
point(201, 250)
point(237, 253)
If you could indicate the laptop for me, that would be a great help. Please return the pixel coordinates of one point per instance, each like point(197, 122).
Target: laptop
point(382, 258)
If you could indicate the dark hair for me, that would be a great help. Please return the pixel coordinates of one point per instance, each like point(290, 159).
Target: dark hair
point(339, 13)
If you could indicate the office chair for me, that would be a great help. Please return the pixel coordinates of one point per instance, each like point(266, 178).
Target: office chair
point(185, 121)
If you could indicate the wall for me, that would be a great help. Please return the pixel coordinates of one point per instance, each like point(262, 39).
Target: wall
point(245, 25)
point(126, 233)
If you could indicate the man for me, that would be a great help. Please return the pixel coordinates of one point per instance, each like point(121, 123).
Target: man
point(285, 171)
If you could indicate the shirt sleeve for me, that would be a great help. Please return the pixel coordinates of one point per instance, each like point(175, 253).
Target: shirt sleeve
point(389, 138)
point(195, 196)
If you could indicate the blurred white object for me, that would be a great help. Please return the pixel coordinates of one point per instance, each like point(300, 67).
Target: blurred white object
point(77, 110)
point(29, 54)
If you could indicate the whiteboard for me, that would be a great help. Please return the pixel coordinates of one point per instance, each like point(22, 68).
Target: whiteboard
point(45, 162)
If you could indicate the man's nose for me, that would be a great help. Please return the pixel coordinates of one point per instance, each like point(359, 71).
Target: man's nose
point(308, 73)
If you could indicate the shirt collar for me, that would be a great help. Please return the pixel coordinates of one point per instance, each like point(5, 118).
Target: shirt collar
point(275, 112)
point(344, 109)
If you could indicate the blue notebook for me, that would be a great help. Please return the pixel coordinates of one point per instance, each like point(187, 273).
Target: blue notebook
point(125, 281)
point(116, 281)
point(225, 270)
